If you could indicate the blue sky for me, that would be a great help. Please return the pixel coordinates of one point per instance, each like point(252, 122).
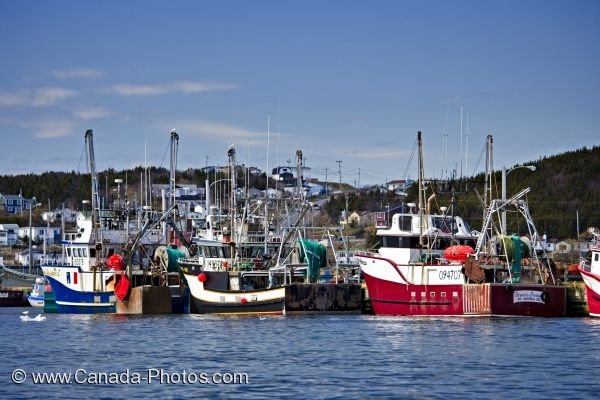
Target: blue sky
point(341, 80)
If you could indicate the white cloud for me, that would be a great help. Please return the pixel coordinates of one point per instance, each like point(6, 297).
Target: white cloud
point(13, 99)
point(158, 89)
point(219, 130)
point(90, 113)
point(378, 153)
point(136, 90)
point(42, 97)
point(48, 96)
point(195, 87)
point(51, 128)
point(86, 73)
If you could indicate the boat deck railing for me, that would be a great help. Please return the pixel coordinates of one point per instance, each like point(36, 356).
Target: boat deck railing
point(54, 260)
point(365, 253)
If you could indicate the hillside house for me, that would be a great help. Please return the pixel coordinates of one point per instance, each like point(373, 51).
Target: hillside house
point(14, 203)
point(9, 234)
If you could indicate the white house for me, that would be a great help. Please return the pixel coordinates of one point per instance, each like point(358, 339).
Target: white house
point(41, 233)
point(400, 184)
point(289, 173)
point(9, 233)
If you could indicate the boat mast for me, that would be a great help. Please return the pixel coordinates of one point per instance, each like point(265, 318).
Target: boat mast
point(232, 199)
point(299, 174)
point(420, 180)
point(89, 141)
point(172, 172)
point(173, 167)
point(489, 169)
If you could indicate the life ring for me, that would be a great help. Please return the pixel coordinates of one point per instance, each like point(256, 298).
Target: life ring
point(510, 289)
point(544, 296)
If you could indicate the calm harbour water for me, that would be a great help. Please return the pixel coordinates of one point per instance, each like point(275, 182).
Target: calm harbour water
point(319, 356)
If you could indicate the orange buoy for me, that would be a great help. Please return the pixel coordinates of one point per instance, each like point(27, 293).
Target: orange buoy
point(458, 253)
point(573, 269)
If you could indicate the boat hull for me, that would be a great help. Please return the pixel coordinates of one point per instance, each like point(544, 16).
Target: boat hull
point(485, 299)
point(528, 300)
point(394, 298)
point(73, 301)
point(592, 283)
point(207, 301)
point(267, 307)
point(35, 301)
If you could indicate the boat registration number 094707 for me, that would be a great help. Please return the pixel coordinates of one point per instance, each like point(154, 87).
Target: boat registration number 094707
point(450, 274)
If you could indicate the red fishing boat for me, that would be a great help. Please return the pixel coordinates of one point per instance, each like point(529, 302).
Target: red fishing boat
point(434, 265)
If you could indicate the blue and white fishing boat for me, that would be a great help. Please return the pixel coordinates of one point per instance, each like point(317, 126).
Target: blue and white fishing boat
point(81, 279)
point(36, 296)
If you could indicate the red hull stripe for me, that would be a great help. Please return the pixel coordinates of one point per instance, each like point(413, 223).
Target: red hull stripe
point(590, 275)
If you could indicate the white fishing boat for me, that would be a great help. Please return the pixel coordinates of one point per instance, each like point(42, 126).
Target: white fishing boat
point(36, 296)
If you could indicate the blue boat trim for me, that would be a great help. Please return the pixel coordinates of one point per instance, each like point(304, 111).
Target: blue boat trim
point(73, 301)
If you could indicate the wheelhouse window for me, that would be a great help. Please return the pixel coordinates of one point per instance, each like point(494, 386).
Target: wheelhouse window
point(444, 224)
point(405, 223)
point(403, 242)
point(391, 241)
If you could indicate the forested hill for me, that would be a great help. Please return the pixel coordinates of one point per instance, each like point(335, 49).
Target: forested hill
point(563, 187)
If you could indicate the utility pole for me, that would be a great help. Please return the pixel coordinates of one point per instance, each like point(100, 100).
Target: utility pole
point(340, 172)
point(340, 188)
point(326, 191)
